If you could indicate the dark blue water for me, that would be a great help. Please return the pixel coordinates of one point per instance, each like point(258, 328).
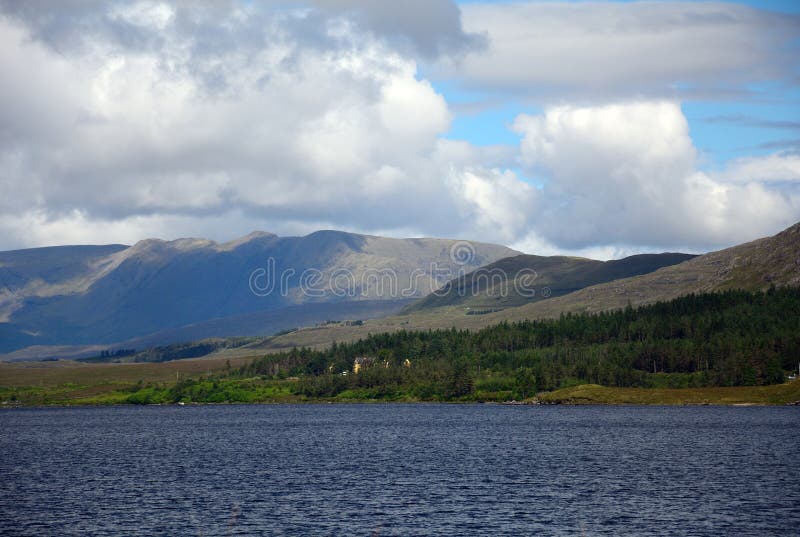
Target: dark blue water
point(400, 470)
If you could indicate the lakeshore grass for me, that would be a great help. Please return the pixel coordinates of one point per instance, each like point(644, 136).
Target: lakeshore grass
point(257, 390)
point(594, 394)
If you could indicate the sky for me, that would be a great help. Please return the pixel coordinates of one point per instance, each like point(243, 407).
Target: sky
point(600, 129)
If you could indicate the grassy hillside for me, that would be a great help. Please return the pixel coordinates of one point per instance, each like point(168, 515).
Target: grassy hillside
point(752, 266)
point(525, 279)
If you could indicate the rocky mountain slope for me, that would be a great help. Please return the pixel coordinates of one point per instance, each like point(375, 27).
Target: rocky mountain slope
point(109, 294)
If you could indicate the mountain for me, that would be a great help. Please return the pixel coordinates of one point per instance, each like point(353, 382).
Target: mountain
point(88, 295)
point(49, 271)
point(259, 323)
point(524, 279)
point(752, 266)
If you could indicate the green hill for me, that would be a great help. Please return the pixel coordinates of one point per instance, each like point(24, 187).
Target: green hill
point(523, 279)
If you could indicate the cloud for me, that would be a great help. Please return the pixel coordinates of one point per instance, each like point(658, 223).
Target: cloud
point(151, 125)
point(627, 173)
point(427, 28)
point(430, 28)
point(128, 120)
point(756, 122)
point(496, 200)
point(776, 168)
point(609, 50)
point(789, 145)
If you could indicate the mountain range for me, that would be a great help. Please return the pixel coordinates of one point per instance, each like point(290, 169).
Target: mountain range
point(752, 266)
point(72, 301)
point(165, 291)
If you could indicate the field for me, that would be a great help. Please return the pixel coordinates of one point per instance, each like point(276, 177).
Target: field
point(49, 374)
point(68, 382)
point(593, 394)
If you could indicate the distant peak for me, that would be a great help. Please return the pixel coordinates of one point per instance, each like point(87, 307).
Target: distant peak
point(329, 238)
point(255, 235)
point(153, 246)
point(331, 233)
point(158, 246)
point(191, 243)
point(146, 244)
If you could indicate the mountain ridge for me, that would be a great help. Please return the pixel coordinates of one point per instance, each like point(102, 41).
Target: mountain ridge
point(754, 265)
point(503, 284)
point(74, 295)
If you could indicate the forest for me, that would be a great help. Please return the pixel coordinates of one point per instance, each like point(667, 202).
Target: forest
point(731, 338)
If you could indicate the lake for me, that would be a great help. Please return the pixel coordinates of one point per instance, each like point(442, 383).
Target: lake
point(396, 469)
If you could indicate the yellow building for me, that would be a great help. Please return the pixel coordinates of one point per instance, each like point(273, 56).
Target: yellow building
point(362, 362)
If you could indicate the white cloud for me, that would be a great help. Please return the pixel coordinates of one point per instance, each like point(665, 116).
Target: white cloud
point(285, 136)
point(495, 200)
point(626, 173)
point(148, 14)
point(37, 227)
point(123, 121)
point(284, 132)
point(771, 168)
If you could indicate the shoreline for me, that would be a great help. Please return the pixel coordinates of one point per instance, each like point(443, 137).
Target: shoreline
point(68, 387)
point(4, 408)
point(533, 403)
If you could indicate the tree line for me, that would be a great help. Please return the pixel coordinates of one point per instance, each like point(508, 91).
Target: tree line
point(729, 338)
